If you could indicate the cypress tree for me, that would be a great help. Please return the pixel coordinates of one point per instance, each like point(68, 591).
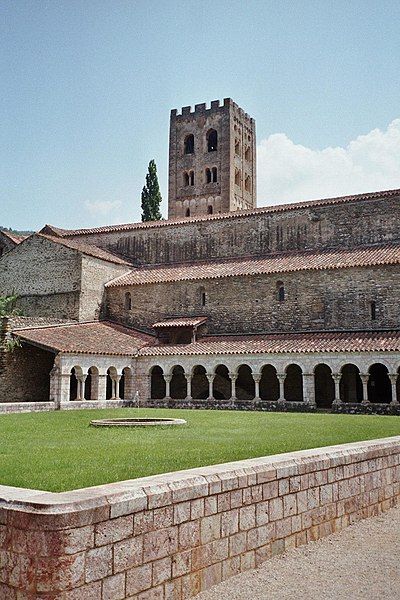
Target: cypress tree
point(151, 195)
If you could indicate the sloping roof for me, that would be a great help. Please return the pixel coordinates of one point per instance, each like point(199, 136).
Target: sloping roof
point(14, 237)
point(180, 322)
point(277, 263)
point(221, 216)
point(97, 337)
point(353, 341)
point(87, 249)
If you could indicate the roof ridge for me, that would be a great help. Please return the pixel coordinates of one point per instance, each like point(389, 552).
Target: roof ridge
point(88, 249)
point(215, 217)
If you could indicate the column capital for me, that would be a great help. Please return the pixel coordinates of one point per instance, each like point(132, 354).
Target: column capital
point(393, 377)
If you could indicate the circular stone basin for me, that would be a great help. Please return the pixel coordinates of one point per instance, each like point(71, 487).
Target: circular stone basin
point(136, 422)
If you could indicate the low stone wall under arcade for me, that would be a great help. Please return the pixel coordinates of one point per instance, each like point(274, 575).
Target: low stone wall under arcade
point(171, 536)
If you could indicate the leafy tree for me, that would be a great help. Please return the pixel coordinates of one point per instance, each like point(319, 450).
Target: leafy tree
point(151, 195)
point(7, 308)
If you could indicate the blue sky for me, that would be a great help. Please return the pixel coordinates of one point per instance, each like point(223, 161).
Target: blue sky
point(87, 86)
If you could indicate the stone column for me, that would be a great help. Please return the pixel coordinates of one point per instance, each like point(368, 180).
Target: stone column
point(336, 378)
point(364, 379)
point(308, 388)
point(257, 378)
point(115, 387)
point(281, 378)
point(188, 377)
point(210, 379)
point(167, 385)
point(102, 388)
point(233, 377)
point(65, 388)
point(393, 382)
point(80, 393)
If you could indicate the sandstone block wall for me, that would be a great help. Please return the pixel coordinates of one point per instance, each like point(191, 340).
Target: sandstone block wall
point(317, 227)
point(46, 277)
point(172, 536)
point(331, 299)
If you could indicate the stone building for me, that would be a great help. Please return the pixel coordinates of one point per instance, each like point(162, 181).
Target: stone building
point(291, 307)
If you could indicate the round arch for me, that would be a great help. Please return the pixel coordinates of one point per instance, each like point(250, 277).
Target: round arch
point(269, 383)
point(324, 386)
point(293, 387)
point(379, 386)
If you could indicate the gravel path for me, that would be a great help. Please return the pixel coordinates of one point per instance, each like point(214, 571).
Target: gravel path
point(360, 563)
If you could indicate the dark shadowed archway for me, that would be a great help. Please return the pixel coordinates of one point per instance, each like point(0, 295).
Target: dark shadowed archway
point(269, 383)
point(324, 386)
point(222, 385)
point(200, 385)
point(379, 386)
point(157, 383)
point(293, 388)
point(178, 385)
point(351, 389)
point(245, 386)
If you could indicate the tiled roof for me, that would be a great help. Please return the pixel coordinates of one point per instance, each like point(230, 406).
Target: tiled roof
point(181, 322)
point(376, 341)
point(14, 237)
point(277, 263)
point(103, 338)
point(87, 249)
point(221, 216)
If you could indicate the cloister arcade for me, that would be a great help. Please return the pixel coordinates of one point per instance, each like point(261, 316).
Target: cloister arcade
point(318, 380)
point(322, 384)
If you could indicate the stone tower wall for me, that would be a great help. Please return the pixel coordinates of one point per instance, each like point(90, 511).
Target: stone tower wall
point(190, 191)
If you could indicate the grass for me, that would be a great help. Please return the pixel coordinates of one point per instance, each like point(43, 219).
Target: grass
point(59, 451)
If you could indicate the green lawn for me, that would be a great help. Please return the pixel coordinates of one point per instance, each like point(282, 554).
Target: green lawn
point(59, 451)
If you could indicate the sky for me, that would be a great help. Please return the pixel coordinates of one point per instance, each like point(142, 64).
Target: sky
point(86, 88)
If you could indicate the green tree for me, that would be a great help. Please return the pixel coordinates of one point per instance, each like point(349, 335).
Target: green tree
point(7, 306)
point(151, 195)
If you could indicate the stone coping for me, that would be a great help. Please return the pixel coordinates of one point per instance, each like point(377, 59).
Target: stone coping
point(134, 495)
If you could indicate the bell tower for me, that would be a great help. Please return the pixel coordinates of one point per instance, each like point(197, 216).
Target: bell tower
point(212, 160)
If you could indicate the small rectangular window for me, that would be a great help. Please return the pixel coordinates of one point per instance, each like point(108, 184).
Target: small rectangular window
point(373, 311)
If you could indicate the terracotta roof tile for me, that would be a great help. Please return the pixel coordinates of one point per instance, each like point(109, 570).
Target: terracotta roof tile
point(87, 249)
point(103, 338)
point(14, 237)
point(221, 216)
point(353, 341)
point(180, 322)
point(277, 263)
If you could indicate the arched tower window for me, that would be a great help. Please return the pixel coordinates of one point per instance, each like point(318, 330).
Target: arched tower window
point(210, 210)
point(247, 183)
point(185, 178)
point(208, 176)
point(237, 177)
point(191, 177)
point(189, 144)
point(214, 174)
point(237, 147)
point(280, 291)
point(128, 301)
point(212, 140)
point(247, 154)
point(187, 213)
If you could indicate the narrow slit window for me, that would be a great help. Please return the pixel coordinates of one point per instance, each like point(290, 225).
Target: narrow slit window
point(281, 291)
point(128, 301)
point(208, 176)
point(214, 175)
point(373, 311)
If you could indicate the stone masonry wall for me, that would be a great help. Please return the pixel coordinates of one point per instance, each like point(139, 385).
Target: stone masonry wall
point(95, 273)
point(331, 299)
point(46, 277)
point(337, 226)
point(171, 536)
point(25, 375)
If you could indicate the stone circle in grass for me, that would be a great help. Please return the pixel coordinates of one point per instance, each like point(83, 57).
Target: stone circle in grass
point(136, 422)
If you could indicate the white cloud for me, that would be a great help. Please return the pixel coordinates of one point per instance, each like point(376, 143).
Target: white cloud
point(289, 172)
point(102, 207)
